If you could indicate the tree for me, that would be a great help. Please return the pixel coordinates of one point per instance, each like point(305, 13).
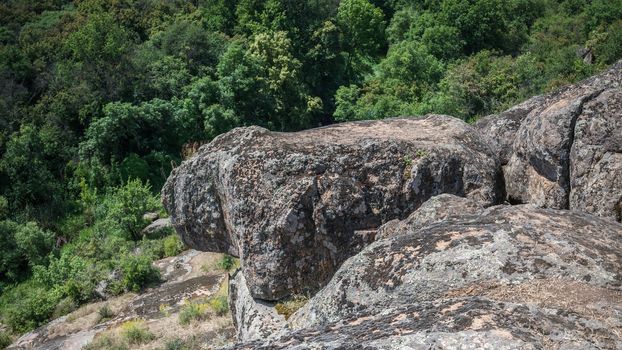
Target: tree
point(34, 243)
point(362, 26)
point(127, 206)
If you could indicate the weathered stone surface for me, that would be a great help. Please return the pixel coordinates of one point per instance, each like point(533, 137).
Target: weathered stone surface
point(458, 323)
point(596, 157)
point(253, 319)
point(506, 277)
point(437, 208)
point(502, 128)
point(294, 206)
point(158, 228)
point(151, 216)
point(499, 248)
point(536, 142)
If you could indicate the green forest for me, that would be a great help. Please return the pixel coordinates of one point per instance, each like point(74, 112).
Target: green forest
point(100, 99)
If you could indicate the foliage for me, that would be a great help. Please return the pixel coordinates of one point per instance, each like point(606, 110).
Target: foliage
point(201, 310)
point(219, 305)
point(226, 262)
point(127, 204)
point(173, 245)
point(137, 272)
point(5, 339)
point(192, 312)
point(105, 313)
point(135, 332)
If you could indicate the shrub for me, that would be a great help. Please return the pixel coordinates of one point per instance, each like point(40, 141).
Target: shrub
point(127, 204)
point(173, 245)
point(27, 306)
point(226, 262)
point(4, 208)
point(175, 344)
point(138, 272)
point(34, 243)
point(135, 332)
point(64, 307)
point(106, 342)
point(192, 312)
point(219, 305)
point(105, 313)
point(6, 340)
point(69, 276)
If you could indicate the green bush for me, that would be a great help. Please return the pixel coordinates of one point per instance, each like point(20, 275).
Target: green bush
point(27, 306)
point(127, 205)
point(192, 312)
point(175, 344)
point(173, 245)
point(138, 272)
point(135, 332)
point(105, 313)
point(6, 340)
point(219, 305)
point(64, 307)
point(226, 262)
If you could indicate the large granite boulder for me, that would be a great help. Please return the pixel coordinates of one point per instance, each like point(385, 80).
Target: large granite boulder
point(294, 206)
point(596, 157)
point(502, 248)
point(562, 150)
point(505, 277)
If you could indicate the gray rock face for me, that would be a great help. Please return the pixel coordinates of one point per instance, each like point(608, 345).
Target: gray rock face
point(158, 228)
point(503, 127)
point(458, 323)
point(253, 319)
point(294, 206)
point(502, 247)
point(437, 208)
point(596, 157)
point(551, 149)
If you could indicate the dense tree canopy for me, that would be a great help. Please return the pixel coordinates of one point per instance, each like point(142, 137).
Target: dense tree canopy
point(101, 99)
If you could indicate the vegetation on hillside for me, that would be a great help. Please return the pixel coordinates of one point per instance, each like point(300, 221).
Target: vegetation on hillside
point(100, 99)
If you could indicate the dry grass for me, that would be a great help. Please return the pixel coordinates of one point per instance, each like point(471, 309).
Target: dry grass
point(291, 305)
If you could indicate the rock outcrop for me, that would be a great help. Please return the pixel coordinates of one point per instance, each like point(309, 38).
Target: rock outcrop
point(562, 150)
point(393, 227)
point(253, 319)
point(596, 157)
point(294, 206)
point(499, 248)
point(456, 323)
point(511, 277)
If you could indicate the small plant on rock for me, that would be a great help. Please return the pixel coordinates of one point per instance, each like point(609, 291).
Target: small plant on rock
point(107, 342)
point(5, 340)
point(193, 312)
point(219, 305)
point(226, 263)
point(291, 305)
point(105, 313)
point(135, 332)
